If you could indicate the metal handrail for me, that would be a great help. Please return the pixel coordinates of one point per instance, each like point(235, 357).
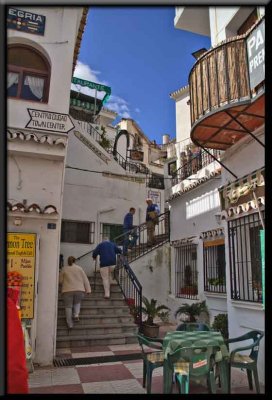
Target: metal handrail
point(130, 287)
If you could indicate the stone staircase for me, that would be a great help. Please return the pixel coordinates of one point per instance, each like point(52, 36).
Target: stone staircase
point(102, 321)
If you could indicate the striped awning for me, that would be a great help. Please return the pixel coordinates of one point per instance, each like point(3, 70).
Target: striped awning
point(241, 190)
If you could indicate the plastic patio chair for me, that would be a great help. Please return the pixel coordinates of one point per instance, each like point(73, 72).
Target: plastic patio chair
point(151, 360)
point(192, 326)
point(248, 362)
point(195, 363)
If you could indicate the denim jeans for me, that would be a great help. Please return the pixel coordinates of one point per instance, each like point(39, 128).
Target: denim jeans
point(127, 242)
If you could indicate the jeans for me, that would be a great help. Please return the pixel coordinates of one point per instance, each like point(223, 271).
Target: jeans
point(127, 242)
point(72, 303)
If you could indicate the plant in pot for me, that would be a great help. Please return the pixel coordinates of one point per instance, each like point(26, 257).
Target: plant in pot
point(152, 310)
point(220, 324)
point(192, 311)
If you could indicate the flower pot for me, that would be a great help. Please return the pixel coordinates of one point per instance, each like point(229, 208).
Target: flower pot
point(150, 330)
point(189, 290)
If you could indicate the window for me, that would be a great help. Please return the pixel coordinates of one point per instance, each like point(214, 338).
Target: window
point(155, 181)
point(28, 74)
point(112, 231)
point(77, 232)
point(172, 168)
point(186, 271)
point(214, 266)
point(245, 258)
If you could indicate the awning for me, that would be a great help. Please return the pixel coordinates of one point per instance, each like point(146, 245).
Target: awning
point(240, 192)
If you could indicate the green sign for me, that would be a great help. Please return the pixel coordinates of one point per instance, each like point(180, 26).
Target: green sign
point(263, 265)
point(93, 85)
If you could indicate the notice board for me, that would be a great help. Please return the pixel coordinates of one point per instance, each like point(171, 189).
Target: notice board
point(21, 257)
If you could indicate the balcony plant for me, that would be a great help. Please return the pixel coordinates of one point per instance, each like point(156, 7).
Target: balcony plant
point(192, 311)
point(152, 310)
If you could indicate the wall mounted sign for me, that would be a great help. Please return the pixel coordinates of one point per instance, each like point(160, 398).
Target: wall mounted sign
point(256, 55)
point(155, 196)
point(49, 121)
point(136, 155)
point(25, 21)
point(21, 257)
point(93, 85)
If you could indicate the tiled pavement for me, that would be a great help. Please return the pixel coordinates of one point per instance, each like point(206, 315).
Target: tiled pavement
point(112, 377)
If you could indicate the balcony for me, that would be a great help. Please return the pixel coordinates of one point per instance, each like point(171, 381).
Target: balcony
point(225, 106)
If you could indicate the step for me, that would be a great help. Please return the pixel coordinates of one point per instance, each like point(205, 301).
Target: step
point(95, 340)
point(101, 329)
point(98, 294)
point(100, 301)
point(98, 319)
point(100, 310)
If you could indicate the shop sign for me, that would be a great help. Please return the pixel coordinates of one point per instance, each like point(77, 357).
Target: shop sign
point(136, 155)
point(95, 86)
point(25, 21)
point(256, 55)
point(21, 257)
point(49, 121)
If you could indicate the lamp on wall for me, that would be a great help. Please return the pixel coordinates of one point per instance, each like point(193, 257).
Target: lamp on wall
point(17, 221)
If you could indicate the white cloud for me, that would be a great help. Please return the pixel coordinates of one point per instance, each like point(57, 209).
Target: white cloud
point(137, 110)
point(114, 103)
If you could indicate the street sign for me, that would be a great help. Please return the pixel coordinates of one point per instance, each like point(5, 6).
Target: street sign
point(95, 86)
point(25, 21)
point(49, 121)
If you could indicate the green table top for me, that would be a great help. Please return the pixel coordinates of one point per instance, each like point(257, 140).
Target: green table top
point(178, 339)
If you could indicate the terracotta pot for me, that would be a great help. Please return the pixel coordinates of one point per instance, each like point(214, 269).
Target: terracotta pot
point(150, 330)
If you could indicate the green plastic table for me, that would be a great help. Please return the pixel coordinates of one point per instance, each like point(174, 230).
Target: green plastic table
point(178, 339)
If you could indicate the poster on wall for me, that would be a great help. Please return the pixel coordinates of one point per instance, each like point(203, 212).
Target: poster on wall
point(155, 196)
point(21, 258)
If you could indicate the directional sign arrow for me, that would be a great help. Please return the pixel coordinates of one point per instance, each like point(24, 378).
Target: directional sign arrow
point(49, 121)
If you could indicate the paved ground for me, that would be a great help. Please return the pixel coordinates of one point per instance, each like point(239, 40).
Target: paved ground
point(113, 377)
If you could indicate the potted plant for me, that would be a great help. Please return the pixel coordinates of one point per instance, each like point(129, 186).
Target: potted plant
point(192, 311)
point(220, 324)
point(152, 310)
point(104, 141)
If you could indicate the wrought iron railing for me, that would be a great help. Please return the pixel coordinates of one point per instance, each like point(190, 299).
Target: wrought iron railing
point(155, 181)
point(130, 287)
point(193, 162)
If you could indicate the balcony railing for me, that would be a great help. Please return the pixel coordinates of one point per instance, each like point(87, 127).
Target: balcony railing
point(218, 78)
point(221, 97)
point(193, 162)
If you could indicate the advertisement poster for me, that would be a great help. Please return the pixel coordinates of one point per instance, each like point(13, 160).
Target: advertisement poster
point(21, 257)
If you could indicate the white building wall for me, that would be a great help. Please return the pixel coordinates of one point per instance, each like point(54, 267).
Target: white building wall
point(41, 166)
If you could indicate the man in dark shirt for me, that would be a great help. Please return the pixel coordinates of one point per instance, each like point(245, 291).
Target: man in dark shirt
point(107, 251)
point(127, 227)
point(151, 219)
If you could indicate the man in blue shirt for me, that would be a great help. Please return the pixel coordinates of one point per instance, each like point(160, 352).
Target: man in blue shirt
point(151, 221)
point(107, 251)
point(127, 227)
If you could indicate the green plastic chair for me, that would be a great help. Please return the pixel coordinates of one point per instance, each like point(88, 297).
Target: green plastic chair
point(192, 326)
point(195, 363)
point(151, 360)
point(248, 362)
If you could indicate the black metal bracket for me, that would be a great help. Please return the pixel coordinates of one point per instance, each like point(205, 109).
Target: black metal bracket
point(245, 129)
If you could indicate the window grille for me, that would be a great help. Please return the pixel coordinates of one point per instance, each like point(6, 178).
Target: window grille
point(214, 266)
point(245, 258)
point(186, 271)
point(77, 232)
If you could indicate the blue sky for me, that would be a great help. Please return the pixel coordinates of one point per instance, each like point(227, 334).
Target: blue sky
point(143, 58)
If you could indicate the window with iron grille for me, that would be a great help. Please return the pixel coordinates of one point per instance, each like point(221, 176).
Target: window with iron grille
point(186, 271)
point(214, 266)
point(155, 181)
point(77, 232)
point(245, 258)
